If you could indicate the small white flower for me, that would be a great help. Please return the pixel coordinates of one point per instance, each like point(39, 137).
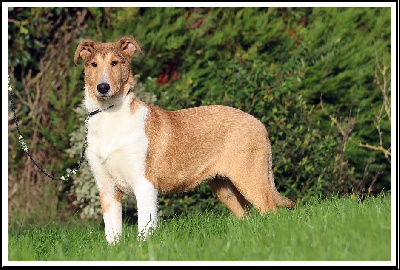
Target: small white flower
point(9, 86)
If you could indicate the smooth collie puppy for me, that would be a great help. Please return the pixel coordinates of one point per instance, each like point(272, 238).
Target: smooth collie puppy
point(135, 148)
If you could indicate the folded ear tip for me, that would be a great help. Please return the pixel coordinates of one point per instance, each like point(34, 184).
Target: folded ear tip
point(84, 49)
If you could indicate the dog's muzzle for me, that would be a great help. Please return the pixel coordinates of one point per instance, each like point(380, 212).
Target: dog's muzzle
point(103, 88)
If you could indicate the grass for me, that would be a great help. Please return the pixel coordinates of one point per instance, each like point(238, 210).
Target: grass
point(323, 230)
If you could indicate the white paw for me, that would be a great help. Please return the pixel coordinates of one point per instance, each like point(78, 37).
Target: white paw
point(144, 234)
point(112, 238)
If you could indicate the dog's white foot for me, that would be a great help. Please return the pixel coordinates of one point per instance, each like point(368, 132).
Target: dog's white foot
point(112, 237)
point(144, 234)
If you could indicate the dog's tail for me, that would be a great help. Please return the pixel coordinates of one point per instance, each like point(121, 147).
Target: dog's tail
point(279, 199)
point(282, 201)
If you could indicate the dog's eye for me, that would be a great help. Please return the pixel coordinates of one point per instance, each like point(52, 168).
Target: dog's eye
point(114, 63)
point(94, 64)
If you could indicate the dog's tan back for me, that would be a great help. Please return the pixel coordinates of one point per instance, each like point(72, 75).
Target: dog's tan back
point(143, 148)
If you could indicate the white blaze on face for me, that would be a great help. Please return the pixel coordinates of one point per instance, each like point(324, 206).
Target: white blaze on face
point(104, 76)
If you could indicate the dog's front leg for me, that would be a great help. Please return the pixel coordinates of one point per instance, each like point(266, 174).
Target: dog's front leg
point(112, 214)
point(146, 200)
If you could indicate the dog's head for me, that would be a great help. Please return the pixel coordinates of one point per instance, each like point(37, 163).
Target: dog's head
point(107, 67)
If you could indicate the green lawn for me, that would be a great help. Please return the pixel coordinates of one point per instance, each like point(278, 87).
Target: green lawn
point(324, 230)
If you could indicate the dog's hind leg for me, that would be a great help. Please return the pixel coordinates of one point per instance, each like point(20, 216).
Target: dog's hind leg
point(249, 175)
point(256, 191)
point(228, 194)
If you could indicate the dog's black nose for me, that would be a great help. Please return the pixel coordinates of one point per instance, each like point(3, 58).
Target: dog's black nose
point(103, 88)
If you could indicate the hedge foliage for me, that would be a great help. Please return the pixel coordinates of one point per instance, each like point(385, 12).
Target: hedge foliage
point(274, 63)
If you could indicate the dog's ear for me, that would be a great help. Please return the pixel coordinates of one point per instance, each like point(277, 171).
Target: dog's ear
point(129, 46)
point(84, 50)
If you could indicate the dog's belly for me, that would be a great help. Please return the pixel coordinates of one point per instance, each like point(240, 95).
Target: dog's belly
point(177, 179)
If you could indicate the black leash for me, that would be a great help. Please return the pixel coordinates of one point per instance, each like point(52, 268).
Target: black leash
point(24, 146)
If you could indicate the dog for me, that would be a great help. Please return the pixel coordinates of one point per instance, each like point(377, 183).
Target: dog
point(139, 149)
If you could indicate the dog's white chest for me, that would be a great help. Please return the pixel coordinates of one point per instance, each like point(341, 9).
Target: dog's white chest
point(117, 144)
